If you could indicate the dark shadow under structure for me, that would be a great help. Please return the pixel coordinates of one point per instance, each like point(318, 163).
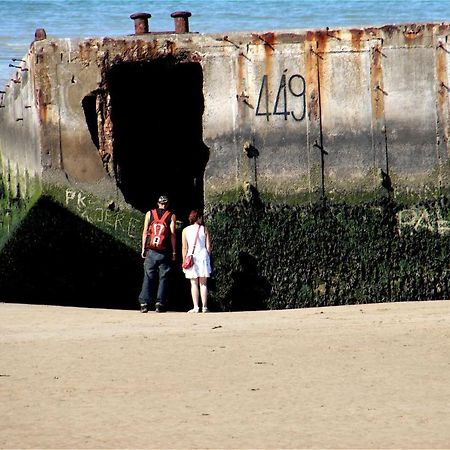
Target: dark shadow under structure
point(56, 258)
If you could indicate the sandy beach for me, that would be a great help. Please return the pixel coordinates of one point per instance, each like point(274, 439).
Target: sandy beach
point(366, 376)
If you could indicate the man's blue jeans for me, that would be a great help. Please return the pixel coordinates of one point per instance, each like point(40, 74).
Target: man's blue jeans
point(156, 268)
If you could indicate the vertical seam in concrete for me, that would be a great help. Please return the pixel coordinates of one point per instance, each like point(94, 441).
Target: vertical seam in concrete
point(313, 110)
point(243, 170)
point(442, 110)
point(234, 112)
point(41, 93)
point(320, 146)
point(377, 94)
point(253, 133)
point(60, 159)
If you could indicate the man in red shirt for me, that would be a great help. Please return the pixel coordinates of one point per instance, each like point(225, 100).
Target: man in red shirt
point(159, 250)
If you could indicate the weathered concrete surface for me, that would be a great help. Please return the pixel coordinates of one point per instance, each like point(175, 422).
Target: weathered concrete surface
point(347, 115)
point(373, 99)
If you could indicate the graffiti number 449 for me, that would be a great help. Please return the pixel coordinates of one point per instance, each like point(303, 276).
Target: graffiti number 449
point(293, 87)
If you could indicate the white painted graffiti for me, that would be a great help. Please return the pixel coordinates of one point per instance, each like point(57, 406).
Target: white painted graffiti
point(78, 197)
point(423, 219)
point(93, 214)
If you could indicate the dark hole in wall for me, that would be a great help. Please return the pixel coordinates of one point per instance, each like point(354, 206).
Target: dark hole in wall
point(156, 112)
point(90, 113)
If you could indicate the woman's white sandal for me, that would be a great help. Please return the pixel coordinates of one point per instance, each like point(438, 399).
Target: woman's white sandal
point(194, 310)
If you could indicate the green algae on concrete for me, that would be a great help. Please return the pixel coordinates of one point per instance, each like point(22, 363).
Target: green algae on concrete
point(62, 245)
point(109, 215)
point(279, 256)
point(18, 193)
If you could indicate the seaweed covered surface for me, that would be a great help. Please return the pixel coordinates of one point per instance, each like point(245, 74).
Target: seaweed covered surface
point(275, 256)
point(60, 245)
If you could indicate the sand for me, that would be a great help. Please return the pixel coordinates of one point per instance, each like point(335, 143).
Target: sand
point(371, 376)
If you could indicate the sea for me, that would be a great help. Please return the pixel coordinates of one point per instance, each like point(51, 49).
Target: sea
point(98, 18)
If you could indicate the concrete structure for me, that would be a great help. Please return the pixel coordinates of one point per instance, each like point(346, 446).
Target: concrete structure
point(297, 115)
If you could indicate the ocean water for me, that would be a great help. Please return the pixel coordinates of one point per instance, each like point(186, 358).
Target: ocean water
point(88, 18)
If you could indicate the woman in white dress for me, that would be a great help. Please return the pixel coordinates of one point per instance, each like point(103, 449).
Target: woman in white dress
point(196, 242)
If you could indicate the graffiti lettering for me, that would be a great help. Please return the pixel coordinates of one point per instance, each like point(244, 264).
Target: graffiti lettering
point(132, 224)
point(70, 195)
point(80, 198)
point(421, 219)
point(294, 86)
point(95, 214)
point(118, 223)
point(106, 217)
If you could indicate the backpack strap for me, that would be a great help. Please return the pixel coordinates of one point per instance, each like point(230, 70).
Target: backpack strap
point(163, 217)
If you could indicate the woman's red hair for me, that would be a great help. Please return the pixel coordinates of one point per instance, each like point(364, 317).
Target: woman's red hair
point(194, 216)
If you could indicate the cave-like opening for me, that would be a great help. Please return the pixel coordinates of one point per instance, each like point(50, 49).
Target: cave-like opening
point(156, 111)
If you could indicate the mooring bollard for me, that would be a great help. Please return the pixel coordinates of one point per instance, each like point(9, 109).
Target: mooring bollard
point(181, 21)
point(140, 22)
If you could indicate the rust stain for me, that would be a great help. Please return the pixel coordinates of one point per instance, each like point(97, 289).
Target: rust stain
point(269, 41)
point(442, 91)
point(311, 76)
point(269, 38)
point(316, 45)
point(389, 30)
point(442, 28)
point(372, 32)
point(241, 93)
point(137, 50)
point(310, 37)
point(357, 36)
point(105, 131)
point(430, 27)
point(41, 105)
point(413, 33)
point(266, 39)
point(170, 47)
point(322, 38)
point(42, 87)
point(240, 74)
point(196, 57)
point(85, 50)
point(376, 82)
point(441, 75)
point(119, 51)
point(268, 52)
